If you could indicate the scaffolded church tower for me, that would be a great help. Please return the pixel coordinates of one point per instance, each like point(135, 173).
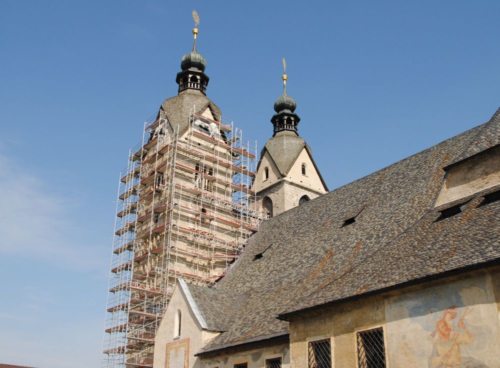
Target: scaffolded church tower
point(185, 209)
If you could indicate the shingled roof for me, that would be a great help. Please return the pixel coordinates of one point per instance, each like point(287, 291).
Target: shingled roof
point(308, 258)
point(179, 108)
point(284, 148)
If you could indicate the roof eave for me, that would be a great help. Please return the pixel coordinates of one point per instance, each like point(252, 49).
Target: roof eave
point(287, 316)
point(192, 304)
point(278, 337)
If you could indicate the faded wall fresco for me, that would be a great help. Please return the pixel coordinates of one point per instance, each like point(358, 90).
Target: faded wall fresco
point(450, 326)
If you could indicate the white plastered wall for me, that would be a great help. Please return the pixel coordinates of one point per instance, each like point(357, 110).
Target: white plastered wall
point(285, 192)
point(312, 179)
point(261, 182)
point(208, 114)
point(192, 337)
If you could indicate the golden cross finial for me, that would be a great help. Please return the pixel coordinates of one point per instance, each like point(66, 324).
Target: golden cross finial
point(284, 76)
point(196, 19)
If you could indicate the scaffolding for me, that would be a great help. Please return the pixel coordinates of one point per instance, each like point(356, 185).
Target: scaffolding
point(186, 209)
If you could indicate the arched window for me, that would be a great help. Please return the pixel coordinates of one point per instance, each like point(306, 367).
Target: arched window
point(266, 173)
point(267, 204)
point(177, 324)
point(304, 169)
point(304, 199)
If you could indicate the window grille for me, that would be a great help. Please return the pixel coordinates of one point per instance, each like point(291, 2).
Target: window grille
point(273, 363)
point(320, 354)
point(371, 351)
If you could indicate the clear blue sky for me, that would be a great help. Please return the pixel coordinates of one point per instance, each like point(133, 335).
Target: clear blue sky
point(375, 81)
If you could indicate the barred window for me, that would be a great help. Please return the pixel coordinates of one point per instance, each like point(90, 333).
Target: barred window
point(371, 350)
point(273, 363)
point(320, 354)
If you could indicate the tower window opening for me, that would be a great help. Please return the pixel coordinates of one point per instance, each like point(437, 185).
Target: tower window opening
point(266, 173)
point(304, 199)
point(208, 182)
point(304, 172)
point(160, 179)
point(204, 219)
point(267, 205)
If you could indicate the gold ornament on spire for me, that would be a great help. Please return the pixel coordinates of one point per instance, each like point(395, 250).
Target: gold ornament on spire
point(284, 77)
point(196, 19)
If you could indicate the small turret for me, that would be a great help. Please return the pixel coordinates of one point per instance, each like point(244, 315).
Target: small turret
point(192, 74)
point(285, 118)
point(287, 175)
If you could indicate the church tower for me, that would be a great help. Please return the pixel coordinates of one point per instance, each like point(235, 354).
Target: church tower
point(287, 175)
point(185, 210)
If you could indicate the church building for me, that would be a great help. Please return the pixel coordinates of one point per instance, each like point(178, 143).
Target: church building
point(221, 263)
point(185, 209)
point(398, 269)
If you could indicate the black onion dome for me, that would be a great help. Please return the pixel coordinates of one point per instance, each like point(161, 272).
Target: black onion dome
point(285, 102)
point(193, 60)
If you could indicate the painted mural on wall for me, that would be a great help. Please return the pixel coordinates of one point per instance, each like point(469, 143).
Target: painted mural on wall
point(450, 326)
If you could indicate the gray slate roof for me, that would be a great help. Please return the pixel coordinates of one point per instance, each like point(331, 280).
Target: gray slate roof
point(309, 259)
point(210, 304)
point(178, 109)
point(284, 148)
point(487, 137)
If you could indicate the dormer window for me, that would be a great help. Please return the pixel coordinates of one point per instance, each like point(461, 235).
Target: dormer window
point(470, 176)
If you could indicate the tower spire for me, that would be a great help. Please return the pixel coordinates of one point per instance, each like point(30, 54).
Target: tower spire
point(284, 76)
point(192, 75)
point(196, 19)
point(285, 118)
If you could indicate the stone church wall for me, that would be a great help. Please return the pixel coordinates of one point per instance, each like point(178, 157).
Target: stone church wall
point(450, 323)
point(255, 358)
